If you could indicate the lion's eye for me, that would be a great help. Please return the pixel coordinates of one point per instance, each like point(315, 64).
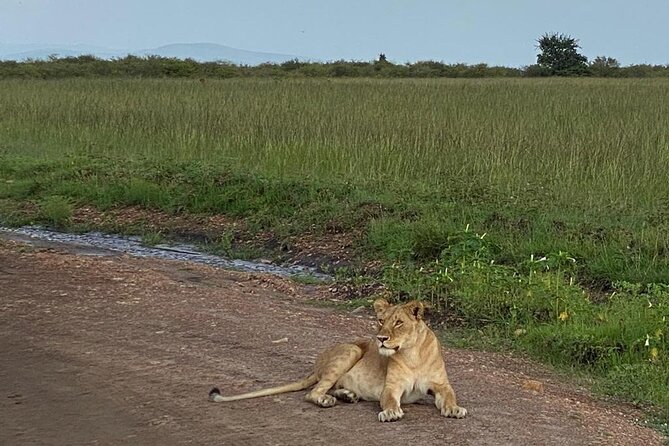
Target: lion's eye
point(399, 323)
point(380, 321)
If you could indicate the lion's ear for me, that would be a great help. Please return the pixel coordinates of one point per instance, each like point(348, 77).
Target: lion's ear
point(380, 305)
point(416, 308)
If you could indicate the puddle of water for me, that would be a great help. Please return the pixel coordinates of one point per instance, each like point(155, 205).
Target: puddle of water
point(97, 243)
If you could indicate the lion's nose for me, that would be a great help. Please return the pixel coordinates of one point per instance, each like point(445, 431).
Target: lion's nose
point(382, 339)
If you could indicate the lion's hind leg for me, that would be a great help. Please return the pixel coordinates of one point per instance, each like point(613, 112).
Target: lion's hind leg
point(331, 366)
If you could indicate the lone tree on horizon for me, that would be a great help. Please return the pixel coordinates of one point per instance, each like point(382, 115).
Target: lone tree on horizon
point(560, 57)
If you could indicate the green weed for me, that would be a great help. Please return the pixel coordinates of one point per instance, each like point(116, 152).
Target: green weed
point(152, 238)
point(55, 210)
point(307, 279)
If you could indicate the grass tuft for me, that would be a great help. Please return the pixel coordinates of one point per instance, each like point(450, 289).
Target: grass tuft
point(56, 210)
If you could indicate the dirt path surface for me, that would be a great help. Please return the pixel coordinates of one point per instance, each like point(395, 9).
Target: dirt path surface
point(116, 350)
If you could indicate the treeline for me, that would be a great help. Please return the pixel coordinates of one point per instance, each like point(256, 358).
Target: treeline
point(156, 67)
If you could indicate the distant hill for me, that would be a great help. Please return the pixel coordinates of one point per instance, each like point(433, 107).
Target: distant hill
point(42, 51)
point(41, 54)
point(208, 52)
point(202, 52)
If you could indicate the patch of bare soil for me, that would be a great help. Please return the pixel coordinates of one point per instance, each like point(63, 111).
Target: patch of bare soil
point(118, 350)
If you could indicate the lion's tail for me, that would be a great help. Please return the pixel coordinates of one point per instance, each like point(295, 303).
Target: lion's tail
point(215, 394)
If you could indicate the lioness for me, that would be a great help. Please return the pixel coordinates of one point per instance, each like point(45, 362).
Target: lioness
point(402, 365)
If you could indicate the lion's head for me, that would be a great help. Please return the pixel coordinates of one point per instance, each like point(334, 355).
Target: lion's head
point(399, 325)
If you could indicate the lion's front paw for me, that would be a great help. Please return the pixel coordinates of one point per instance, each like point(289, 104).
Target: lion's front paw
point(391, 414)
point(454, 412)
point(326, 401)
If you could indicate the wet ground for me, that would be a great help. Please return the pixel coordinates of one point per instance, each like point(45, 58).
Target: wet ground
point(97, 243)
point(113, 349)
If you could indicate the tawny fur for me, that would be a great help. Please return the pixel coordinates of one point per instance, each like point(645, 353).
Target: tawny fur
point(403, 364)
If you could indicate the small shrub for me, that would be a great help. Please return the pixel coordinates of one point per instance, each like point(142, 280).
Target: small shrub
point(56, 210)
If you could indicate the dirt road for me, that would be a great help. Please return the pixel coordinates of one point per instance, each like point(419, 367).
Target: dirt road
point(116, 350)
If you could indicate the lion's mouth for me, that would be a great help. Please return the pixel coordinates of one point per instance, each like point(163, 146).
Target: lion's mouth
point(387, 351)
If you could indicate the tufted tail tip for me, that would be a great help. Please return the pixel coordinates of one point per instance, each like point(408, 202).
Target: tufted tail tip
point(215, 395)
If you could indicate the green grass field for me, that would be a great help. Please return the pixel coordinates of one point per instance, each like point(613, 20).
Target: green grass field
point(533, 211)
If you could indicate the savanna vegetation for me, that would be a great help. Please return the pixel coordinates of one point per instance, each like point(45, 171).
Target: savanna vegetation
point(532, 213)
point(558, 56)
point(164, 67)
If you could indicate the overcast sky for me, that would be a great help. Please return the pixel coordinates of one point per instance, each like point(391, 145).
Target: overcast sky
point(500, 32)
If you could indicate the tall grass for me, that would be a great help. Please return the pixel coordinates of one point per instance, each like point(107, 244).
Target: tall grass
point(578, 165)
point(596, 142)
